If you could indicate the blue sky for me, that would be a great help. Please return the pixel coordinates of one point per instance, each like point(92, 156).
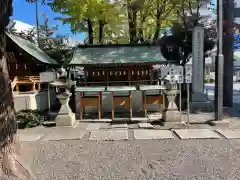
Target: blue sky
point(25, 12)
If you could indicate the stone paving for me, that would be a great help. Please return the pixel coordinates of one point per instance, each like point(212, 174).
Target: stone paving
point(109, 135)
point(153, 134)
point(116, 131)
point(196, 134)
point(230, 133)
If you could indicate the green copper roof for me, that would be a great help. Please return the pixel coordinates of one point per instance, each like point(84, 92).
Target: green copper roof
point(114, 54)
point(31, 49)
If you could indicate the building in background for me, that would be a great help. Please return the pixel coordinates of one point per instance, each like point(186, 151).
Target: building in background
point(21, 27)
point(237, 11)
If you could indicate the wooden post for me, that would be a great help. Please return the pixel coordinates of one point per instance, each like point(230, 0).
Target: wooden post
point(107, 76)
point(33, 87)
point(81, 105)
point(151, 76)
point(163, 97)
point(84, 110)
point(160, 100)
point(99, 105)
point(129, 77)
point(112, 105)
point(85, 77)
point(130, 104)
point(17, 87)
point(39, 87)
point(144, 103)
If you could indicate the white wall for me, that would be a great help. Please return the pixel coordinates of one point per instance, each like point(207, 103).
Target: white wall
point(38, 100)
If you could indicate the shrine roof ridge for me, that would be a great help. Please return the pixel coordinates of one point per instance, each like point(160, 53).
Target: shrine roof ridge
point(116, 45)
point(31, 48)
point(117, 54)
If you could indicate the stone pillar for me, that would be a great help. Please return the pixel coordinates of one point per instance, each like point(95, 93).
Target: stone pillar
point(199, 99)
point(171, 113)
point(65, 116)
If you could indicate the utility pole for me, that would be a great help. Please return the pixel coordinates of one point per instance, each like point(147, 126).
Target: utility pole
point(228, 39)
point(219, 64)
point(37, 23)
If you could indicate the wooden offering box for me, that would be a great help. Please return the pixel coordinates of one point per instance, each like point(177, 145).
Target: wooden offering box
point(90, 100)
point(121, 100)
point(151, 98)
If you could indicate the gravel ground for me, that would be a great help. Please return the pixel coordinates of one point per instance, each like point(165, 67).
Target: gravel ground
point(165, 159)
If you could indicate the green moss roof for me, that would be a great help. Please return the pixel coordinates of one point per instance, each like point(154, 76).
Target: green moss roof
point(117, 54)
point(31, 49)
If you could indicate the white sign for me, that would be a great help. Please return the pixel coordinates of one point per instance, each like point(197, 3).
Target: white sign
point(47, 77)
point(197, 59)
point(180, 75)
point(188, 74)
point(164, 71)
point(172, 74)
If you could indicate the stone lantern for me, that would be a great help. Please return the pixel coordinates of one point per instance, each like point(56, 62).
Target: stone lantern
point(171, 113)
point(169, 75)
point(65, 115)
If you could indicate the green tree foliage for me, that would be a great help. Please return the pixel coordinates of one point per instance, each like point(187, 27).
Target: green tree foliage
point(91, 16)
point(54, 45)
point(178, 46)
point(125, 21)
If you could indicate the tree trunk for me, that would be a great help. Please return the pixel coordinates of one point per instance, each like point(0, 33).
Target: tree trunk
point(140, 32)
point(143, 18)
point(132, 22)
point(100, 31)
point(158, 24)
point(90, 31)
point(10, 162)
point(228, 18)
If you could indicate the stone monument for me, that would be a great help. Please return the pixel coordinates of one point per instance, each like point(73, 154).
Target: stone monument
point(199, 100)
point(65, 115)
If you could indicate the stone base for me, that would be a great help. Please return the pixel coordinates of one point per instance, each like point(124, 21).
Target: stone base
point(172, 116)
point(66, 120)
point(199, 97)
point(205, 106)
point(220, 124)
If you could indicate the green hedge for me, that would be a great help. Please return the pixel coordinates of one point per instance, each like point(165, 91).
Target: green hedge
point(28, 118)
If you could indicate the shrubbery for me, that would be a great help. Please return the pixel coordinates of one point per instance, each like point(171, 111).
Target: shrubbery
point(28, 118)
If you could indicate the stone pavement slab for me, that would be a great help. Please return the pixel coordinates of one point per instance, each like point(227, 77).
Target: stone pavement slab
point(230, 134)
point(63, 134)
point(109, 135)
point(122, 125)
point(94, 126)
point(30, 137)
point(82, 125)
point(196, 134)
point(153, 134)
point(33, 134)
point(182, 125)
point(145, 125)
